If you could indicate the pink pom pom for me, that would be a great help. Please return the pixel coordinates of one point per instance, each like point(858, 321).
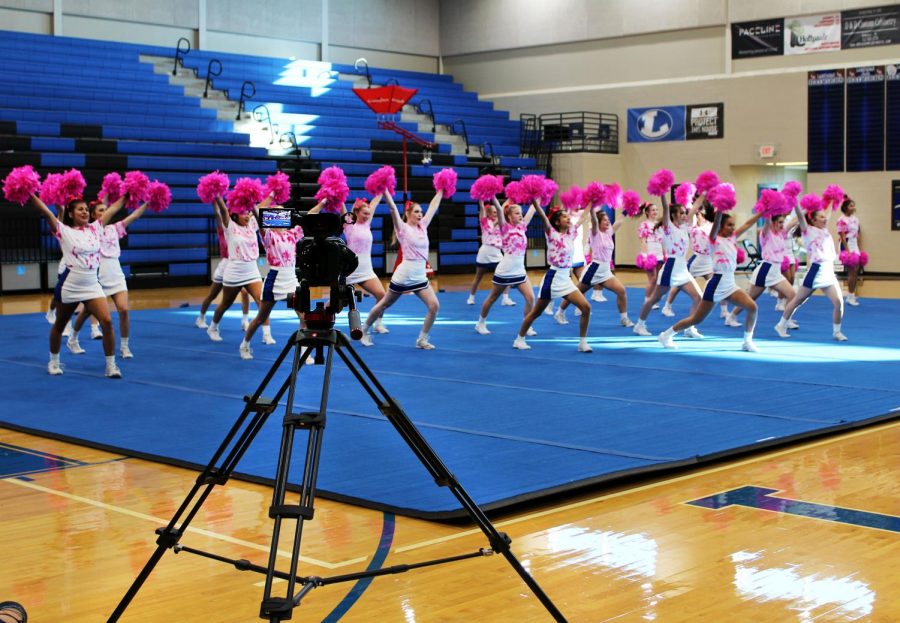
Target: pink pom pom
point(51, 193)
point(684, 194)
point(792, 188)
point(158, 197)
point(516, 193)
point(332, 174)
point(639, 261)
point(811, 203)
point(631, 203)
point(20, 184)
point(785, 264)
point(533, 187)
point(445, 180)
point(279, 185)
point(646, 262)
point(834, 195)
point(594, 194)
point(863, 258)
point(613, 196)
point(137, 185)
point(706, 181)
point(572, 198)
point(383, 180)
point(72, 184)
point(213, 185)
point(660, 182)
point(487, 187)
point(550, 189)
point(334, 193)
point(246, 195)
point(741, 255)
point(847, 259)
point(722, 198)
point(771, 203)
point(112, 189)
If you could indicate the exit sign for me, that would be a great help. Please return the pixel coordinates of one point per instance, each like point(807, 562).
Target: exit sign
point(767, 151)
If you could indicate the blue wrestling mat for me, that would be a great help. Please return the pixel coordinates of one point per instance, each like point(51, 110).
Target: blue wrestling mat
point(512, 425)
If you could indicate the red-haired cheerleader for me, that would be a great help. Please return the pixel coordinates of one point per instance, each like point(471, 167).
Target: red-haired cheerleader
point(722, 285)
point(410, 276)
point(600, 271)
point(561, 233)
point(852, 256)
point(79, 240)
point(112, 279)
point(510, 272)
point(820, 275)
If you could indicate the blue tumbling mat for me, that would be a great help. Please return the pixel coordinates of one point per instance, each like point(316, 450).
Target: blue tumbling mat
point(511, 425)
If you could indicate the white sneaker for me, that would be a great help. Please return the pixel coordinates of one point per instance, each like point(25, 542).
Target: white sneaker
point(792, 324)
point(655, 306)
point(268, 339)
point(667, 341)
point(531, 332)
point(507, 302)
point(731, 321)
point(560, 317)
point(692, 333)
point(54, 368)
point(73, 345)
point(626, 322)
point(577, 312)
point(96, 332)
point(112, 371)
point(779, 306)
point(597, 296)
point(667, 311)
point(481, 328)
point(424, 344)
point(723, 312)
point(521, 344)
point(380, 328)
point(852, 300)
point(126, 353)
point(366, 340)
point(549, 311)
point(781, 331)
point(213, 333)
point(470, 300)
point(584, 347)
point(749, 347)
point(200, 321)
point(51, 316)
point(244, 350)
point(839, 337)
point(641, 329)
point(244, 325)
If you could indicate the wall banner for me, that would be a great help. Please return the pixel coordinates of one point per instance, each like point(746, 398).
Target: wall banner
point(870, 27)
point(653, 125)
point(759, 38)
point(817, 33)
point(705, 121)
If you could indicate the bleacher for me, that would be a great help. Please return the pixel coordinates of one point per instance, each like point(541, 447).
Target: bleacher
point(96, 106)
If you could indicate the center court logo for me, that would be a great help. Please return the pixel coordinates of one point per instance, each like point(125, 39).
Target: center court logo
point(655, 124)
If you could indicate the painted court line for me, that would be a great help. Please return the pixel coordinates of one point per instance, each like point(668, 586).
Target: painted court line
point(200, 531)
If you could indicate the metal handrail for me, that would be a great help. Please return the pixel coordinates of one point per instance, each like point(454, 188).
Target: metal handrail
point(487, 150)
point(179, 54)
point(288, 140)
point(210, 74)
point(420, 107)
point(465, 133)
point(365, 63)
point(244, 97)
point(267, 118)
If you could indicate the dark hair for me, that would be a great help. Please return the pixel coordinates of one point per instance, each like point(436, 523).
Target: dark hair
point(68, 219)
point(554, 218)
point(645, 209)
point(674, 208)
point(810, 216)
point(709, 212)
point(91, 206)
point(845, 205)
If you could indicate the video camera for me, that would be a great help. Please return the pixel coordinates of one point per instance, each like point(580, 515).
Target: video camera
point(323, 260)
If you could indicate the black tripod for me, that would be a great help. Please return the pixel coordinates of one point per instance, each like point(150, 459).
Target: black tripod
point(304, 344)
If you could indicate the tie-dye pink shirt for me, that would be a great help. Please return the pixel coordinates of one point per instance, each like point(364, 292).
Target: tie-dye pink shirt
point(773, 245)
point(602, 246)
point(490, 233)
point(80, 245)
point(359, 237)
point(724, 253)
point(515, 239)
point(281, 246)
point(849, 226)
point(413, 241)
point(561, 247)
point(819, 245)
point(109, 240)
point(242, 243)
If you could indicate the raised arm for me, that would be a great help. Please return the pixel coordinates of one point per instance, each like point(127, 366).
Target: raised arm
point(585, 216)
point(717, 223)
point(667, 220)
point(618, 224)
point(395, 213)
point(482, 212)
point(46, 212)
point(111, 211)
point(501, 218)
point(131, 218)
point(432, 208)
point(540, 211)
point(374, 203)
point(801, 220)
point(528, 215)
point(745, 226)
point(262, 205)
point(224, 217)
point(595, 222)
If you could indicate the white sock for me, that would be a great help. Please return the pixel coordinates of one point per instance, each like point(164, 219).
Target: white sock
point(267, 330)
point(482, 319)
point(124, 342)
point(378, 322)
point(423, 336)
point(836, 327)
point(583, 342)
point(214, 325)
point(640, 322)
point(203, 316)
point(245, 343)
point(54, 357)
point(782, 322)
point(246, 317)
point(110, 361)
point(669, 332)
point(748, 336)
point(623, 315)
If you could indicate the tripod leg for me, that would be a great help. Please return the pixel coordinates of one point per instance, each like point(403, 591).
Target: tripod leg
point(499, 541)
point(215, 473)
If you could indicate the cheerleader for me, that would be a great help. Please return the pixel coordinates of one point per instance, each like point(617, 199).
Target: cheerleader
point(490, 252)
point(599, 273)
point(281, 280)
point(721, 287)
point(851, 257)
point(79, 240)
point(241, 271)
point(411, 275)
point(700, 263)
point(651, 255)
point(358, 233)
point(510, 272)
point(674, 233)
point(790, 263)
point(561, 235)
point(820, 272)
point(216, 287)
point(112, 279)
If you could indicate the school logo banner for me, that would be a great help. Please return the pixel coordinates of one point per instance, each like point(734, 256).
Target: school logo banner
point(652, 125)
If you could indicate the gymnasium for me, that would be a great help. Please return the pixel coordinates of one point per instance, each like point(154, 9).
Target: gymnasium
point(449, 310)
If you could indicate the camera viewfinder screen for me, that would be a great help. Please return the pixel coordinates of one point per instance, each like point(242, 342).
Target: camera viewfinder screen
point(276, 218)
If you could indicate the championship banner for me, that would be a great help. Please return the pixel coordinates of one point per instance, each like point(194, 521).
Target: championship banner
point(705, 121)
point(759, 38)
point(808, 34)
point(870, 27)
point(653, 125)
